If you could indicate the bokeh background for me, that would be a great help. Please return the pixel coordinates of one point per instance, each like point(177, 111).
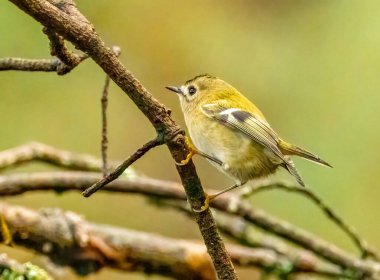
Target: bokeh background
point(311, 66)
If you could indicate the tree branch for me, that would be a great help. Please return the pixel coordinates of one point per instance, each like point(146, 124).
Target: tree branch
point(121, 168)
point(72, 26)
point(104, 143)
point(229, 203)
point(36, 151)
point(15, 184)
point(45, 65)
point(104, 103)
point(70, 240)
point(362, 245)
point(58, 49)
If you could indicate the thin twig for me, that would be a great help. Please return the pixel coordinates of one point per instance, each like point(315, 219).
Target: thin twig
point(362, 244)
point(120, 169)
point(44, 65)
point(104, 143)
point(104, 103)
point(35, 151)
point(58, 49)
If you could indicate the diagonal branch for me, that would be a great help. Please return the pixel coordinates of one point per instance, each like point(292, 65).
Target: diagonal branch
point(58, 49)
point(121, 168)
point(74, 27)
point(297, 236)
point(330, 213)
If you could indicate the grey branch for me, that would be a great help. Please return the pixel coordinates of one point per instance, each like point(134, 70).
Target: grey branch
point(15, 184)
point(229, 203)
point(36, 151)
point(330, 213)
point(70, 240)
point(31, 65)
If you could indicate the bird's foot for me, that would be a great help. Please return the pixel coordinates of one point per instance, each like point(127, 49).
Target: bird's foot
point(192, 152)
point(211, 197)
point(206, 203)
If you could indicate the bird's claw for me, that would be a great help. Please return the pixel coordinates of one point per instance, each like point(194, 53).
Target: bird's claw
point(187, 159)
point(206, 204)
point(192, 152)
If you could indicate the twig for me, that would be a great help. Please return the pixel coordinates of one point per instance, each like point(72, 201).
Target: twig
point(45, 65)
point(362, 245)
point(104, 103)
point(231, 204)
point(36, 151)
point(58, 49)
point(19, 183)
point(104, 143)
point(121, 168)
point(66, 61)
point(64, 64)
point(68, 239)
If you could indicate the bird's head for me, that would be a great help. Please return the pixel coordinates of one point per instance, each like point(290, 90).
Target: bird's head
point(202, 87)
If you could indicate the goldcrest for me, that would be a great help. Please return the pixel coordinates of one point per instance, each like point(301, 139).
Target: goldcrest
point(231, 132)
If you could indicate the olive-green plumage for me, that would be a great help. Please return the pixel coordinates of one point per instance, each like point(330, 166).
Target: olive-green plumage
point(225, 125)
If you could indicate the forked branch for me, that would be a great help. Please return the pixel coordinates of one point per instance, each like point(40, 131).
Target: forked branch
point(63, 18)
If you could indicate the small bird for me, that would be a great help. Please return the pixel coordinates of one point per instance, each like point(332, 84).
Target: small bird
point(233, 134)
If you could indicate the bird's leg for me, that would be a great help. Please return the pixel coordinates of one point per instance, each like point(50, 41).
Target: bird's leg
point(192, 151)
point(211, 197)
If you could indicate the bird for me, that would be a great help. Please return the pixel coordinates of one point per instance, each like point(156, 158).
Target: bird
point(232, 133)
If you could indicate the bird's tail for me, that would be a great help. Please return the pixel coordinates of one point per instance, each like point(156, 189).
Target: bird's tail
point(289, 165)
point(289, 149)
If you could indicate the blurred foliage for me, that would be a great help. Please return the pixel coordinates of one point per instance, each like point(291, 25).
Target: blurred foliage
point(311, 66)
point(28, 272)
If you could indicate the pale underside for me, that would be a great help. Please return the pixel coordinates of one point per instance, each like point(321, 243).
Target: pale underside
point(243, 158)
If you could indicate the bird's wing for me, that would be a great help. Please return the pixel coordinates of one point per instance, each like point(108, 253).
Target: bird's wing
point(253, 126)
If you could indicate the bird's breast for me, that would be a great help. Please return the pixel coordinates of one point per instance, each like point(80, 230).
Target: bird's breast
point(243, 159)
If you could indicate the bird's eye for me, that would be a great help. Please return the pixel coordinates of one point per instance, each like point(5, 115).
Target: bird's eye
point(192, 90)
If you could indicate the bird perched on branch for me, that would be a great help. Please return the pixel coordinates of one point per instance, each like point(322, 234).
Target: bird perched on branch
point(231, 132)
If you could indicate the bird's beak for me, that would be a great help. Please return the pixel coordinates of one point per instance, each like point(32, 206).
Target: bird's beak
point(175, 89)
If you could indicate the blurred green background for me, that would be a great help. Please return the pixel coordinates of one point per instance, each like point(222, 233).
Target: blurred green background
point(311, 66)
